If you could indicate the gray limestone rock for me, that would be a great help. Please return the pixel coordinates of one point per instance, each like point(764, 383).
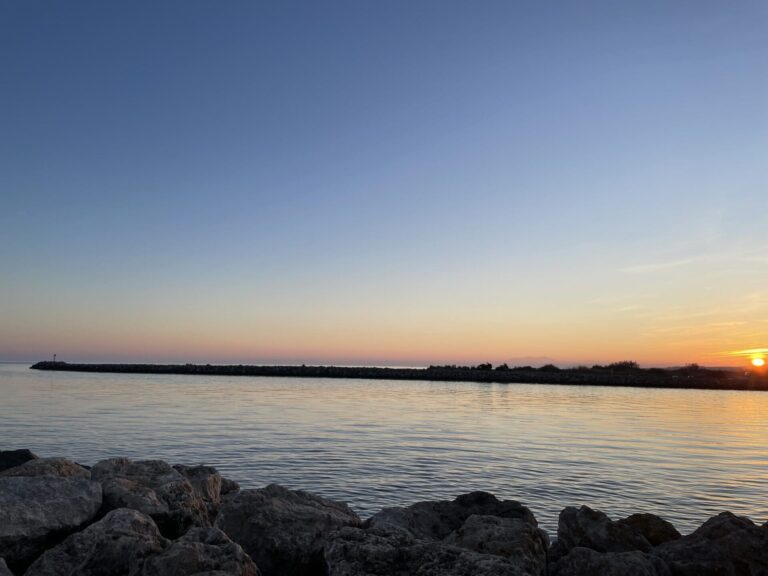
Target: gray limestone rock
point(519, 541)
point(588, 562)
point(154, 488)
point(725, 545)
point(653, 528)
point(374, 552)
point(38, 511)
point(116, 545)
point(284, 531)
point(201, 550)
point(48, 467)
point(587, 528)
point(436, 520)
point(208, 485)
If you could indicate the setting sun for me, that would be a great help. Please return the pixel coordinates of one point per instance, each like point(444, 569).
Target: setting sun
point(758, 362)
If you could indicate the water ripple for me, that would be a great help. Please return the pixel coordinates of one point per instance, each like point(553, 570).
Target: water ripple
point(683, 454)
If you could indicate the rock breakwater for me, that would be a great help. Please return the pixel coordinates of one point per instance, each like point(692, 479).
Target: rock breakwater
point(149, 518)
point(689, 377)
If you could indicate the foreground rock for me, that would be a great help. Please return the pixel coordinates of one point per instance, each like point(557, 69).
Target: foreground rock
point(724, 545)
point(587, 528)
point(154, 488)
point(49, 510)
point(208, 485)
point(60, 467)
point(587, 562)
point(654, 529)
point(284, 531)
point(35, 512)
point(199, 551)
point(516, 539)
point(128, 543)
point(436, 520)
point(474, 534)
point(118, 544)
point(13, 458)
point(374, 552)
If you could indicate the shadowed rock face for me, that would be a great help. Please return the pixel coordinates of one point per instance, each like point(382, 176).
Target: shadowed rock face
point(521, 542)
point(128, 543)
point(436, 520)
point(208, 486)
point(654, 529)
point(474, 534)
point(35, 512)
point(587, 528)
point(586, 562)
point(205, 480)
point(284, 531)
point(154, 488)
point(201, 551)
point(373, 552)
point(13, 458)
point(724, 545)
point(116, 545)
point(4, 571)
point(60, 467)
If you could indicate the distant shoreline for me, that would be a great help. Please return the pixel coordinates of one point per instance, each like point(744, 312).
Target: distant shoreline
point(684, 378)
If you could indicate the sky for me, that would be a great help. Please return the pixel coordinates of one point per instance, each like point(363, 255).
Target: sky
point(388, 183)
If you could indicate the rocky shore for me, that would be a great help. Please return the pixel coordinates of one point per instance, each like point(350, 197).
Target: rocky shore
point(129, 518)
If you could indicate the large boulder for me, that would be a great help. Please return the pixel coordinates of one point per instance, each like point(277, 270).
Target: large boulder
point(375, 552)
point(654, 529)
point(208, 485)
point(283, 530)
point(588, 562)
point(587, 528)
point(4, 571)
point(13, 458)
point(436, 520)
point(725, 544)
point(37, 512)
point(116, 545)
point(205, 480)
point(516, 539)
point(201, 550)
point(475, 534)
point(48, 467)
point(154, 488)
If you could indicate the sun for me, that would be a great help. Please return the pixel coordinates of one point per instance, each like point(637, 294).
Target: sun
point(758, 362)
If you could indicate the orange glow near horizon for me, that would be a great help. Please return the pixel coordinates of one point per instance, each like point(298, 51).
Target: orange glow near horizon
point(756, 356)
point(356, 334)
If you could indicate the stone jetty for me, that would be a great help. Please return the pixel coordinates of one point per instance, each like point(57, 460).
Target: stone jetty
point(617, 374)
point(126, 517)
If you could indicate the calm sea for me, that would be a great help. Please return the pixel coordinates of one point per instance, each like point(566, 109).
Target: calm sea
point(683, 454)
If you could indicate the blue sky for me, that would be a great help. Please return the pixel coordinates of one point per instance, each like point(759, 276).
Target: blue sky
point(387, 182)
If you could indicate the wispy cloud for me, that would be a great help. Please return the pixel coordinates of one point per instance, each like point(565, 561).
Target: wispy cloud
point(748, 352)
point(660, 266)
point(755, 255)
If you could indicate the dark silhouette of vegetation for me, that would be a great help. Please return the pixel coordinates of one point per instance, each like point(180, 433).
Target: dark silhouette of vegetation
point(624, 365)
point(549, 368)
